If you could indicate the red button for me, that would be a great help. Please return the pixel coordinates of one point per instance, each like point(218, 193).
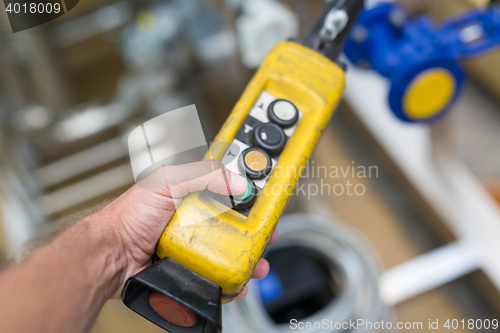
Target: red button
point(173, 311)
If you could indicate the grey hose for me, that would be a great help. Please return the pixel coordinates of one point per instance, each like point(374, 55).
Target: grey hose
point(350, 261)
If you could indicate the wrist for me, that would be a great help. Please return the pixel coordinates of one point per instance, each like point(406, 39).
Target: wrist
point(113, 223)
point(98, 251)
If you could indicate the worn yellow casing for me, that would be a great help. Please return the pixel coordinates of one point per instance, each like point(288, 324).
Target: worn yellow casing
point(226, 248)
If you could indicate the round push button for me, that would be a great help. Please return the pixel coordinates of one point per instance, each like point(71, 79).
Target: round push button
point(173, 311)
point(255, 163)
point(269, 137)
point(246, 199)
point(283, 113)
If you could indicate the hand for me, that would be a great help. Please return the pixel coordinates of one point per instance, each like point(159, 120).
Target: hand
point(145, 209)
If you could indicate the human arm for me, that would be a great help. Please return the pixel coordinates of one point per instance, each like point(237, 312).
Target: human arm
point(62, 286)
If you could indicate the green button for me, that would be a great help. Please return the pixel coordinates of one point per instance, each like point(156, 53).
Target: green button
point(245, 195)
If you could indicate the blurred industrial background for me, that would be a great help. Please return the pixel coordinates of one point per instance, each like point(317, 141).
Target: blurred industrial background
point(72, 89)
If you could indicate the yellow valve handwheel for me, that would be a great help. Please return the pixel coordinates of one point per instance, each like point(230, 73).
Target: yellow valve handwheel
point(429, 93)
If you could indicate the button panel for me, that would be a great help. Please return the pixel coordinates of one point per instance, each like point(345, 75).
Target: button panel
point(258, 144)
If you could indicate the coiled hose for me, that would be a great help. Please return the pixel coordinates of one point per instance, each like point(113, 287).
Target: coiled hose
point(352, 265)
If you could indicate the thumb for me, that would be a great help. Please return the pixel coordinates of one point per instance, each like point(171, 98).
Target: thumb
point(179, 180)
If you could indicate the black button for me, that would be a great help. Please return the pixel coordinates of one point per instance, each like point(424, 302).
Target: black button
point(247, 200)
point(255, 162)
point(283, 113)
point(269, 137)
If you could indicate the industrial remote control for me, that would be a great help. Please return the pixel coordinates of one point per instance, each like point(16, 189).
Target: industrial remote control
point(269, 137)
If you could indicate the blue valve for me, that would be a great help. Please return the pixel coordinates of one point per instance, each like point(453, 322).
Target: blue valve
point(420, 59)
